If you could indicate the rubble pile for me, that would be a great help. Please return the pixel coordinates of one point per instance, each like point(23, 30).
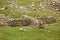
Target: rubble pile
point(25, 20)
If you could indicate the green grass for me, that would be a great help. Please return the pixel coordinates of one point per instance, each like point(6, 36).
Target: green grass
point(26, 3)
point(13, 33)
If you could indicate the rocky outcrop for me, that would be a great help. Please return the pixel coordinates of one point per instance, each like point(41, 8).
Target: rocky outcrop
point(4, 19)
point(47, 20)
point(25, 20)
point(54, 5)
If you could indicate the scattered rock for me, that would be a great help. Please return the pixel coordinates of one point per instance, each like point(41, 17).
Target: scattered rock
point(25, 20)
point(47, 20)
point(3, 8)
point(59, 19)
point(54, 5)
point(4, 19)
point(22, 29)
point(32, 22)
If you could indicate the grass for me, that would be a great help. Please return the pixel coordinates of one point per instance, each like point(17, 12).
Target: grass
point(27, 3)
point(13, 33)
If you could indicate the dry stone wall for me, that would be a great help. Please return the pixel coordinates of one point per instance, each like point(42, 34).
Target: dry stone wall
point(25, 20)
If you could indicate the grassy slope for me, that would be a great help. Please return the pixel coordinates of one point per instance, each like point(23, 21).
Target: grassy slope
point(31, 34)
point(50, 33)
point(27, 3)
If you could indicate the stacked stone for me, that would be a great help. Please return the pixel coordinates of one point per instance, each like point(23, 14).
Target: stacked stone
point(54, 5)
point(26, 21)
point(47, 20)
point(4, 19)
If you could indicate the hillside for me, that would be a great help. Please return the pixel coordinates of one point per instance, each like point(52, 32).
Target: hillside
point(14, 9)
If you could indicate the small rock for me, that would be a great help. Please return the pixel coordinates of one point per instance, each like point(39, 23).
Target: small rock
point(48, 31)
point(22, 29)
point(3, 8)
